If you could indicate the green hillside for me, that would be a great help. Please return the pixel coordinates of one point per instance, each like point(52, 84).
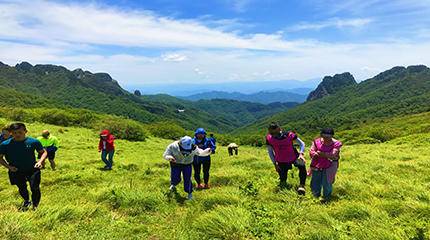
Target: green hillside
point(396, 92)
point(53, 86)
point(381, 193)
point(232, 112)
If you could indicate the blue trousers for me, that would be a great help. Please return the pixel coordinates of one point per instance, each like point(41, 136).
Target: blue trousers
point(107, 157)
point(175, 175)
point(320, 180)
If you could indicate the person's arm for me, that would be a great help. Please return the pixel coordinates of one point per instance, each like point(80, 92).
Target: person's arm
point(313, 151)
point(271, 154)
point(302, 149)
point(168, 155)
point(43, 155)
point(6, 164)
point(302, 145)
point(100, 145)
point(213, 146)
point(203, 153)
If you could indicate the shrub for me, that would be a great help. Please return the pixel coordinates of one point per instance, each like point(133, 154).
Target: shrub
point(123, 128)
point(383, 135)
point(58, 117)
point(167, 130)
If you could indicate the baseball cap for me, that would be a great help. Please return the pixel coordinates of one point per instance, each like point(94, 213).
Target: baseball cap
point(186, 142)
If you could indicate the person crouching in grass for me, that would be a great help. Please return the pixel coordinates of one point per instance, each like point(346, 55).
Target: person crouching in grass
point(21, 163)
point(51, 145)
point(107, 148)
point(181, 154)
point(325, 161)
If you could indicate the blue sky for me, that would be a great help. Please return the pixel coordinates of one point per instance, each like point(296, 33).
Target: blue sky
point(184, 41)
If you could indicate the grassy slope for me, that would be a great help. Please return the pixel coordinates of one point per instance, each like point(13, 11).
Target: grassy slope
point(381, 193)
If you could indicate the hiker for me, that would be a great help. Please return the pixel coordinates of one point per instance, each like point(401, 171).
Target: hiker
point(181, 155)
point(233, 147)
point(50, 144)
point(325, 161)
point(213, 140)
point(5, 134)
point(21, 163)
point(281, 150)
point(202, 142)
point(107, 148)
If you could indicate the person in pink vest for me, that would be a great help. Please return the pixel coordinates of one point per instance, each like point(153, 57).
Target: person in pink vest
point(281, 150)
point(325, 161)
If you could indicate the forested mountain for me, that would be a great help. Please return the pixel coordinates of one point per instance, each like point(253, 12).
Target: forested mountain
point(396, 92)
point(25, 85)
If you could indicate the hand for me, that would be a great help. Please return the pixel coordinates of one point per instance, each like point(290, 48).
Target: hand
point(100, 150)
point(38, 165)
point(323, 154)
point(277, 167)
point(12, 169)
point(302, 157)
point(172, 160)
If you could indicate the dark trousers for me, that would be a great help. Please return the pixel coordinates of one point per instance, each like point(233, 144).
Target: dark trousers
point(231, 150)
point(197, 164)
point(285, 167)
point(51, 158)
point(175, 175)
point(20, 179)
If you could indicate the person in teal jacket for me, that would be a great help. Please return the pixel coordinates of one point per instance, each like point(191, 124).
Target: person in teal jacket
point(50, 144)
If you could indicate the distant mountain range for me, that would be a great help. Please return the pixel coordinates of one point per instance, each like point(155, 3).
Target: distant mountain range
point(187, 89)
point(264, 97)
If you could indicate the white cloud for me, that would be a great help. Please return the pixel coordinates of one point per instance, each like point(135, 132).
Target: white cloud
point(333, 23)
point(174, 57)
point(77, 36)
point(43, 21)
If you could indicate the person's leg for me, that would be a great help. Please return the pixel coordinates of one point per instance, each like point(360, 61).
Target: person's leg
point(197, 168)
point(316, 183)
point(34, 180)
point(283, 173)
point(186, 173)
point(104, 158)
point(206, 169)
point(175, 175)
point(51, 158)
point(18, 179)
point(110, 158)
point(326, 185)
point(302, 175)
point(236, 151)
point(230, 151)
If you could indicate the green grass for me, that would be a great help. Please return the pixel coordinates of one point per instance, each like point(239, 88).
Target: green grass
point(382, 192)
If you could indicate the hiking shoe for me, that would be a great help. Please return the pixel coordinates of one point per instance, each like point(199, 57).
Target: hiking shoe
point(172, 188)
point(25, 205)
point(199, 186)
point(301, 191)
point(206, 186)
point(190, 196)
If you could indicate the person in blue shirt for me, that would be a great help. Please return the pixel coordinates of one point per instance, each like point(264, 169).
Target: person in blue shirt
point(202, 142)
point(21, 163)
point(212, 139)
point(5, 134)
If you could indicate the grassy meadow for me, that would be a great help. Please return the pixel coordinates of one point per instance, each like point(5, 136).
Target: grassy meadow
point(382, 192)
